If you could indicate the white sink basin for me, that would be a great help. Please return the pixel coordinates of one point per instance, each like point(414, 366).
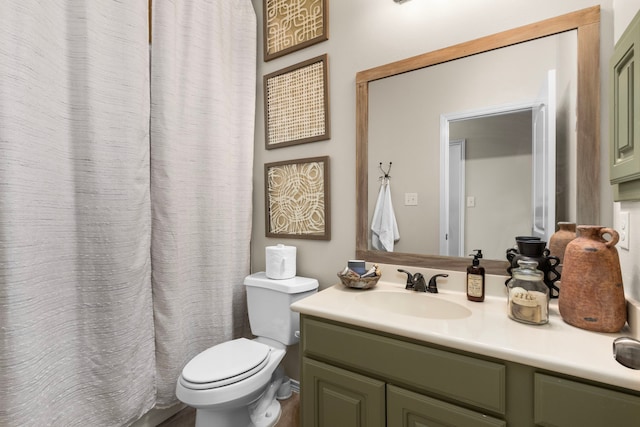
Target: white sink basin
point(415, 304)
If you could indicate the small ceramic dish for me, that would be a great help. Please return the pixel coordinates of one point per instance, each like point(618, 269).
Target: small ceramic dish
point(358, 282)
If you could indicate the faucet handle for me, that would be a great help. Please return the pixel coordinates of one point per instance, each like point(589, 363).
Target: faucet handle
point(410, 283)
point(433, 285)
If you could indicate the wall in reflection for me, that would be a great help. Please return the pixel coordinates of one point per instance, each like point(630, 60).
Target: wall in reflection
point(404, 128)
point(497, 179)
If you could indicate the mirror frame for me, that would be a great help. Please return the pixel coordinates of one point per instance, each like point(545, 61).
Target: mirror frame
point(587, 24)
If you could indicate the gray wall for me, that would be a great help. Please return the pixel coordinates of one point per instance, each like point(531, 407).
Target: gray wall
point(367, 33)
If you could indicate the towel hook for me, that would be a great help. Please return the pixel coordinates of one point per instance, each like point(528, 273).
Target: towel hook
point(385, 173)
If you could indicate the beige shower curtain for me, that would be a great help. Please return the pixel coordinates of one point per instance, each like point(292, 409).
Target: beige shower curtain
point(76, 325)
point(90, 208)
point(203, 62)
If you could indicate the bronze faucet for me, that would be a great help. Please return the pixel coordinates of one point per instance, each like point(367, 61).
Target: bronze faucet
point(417, 282)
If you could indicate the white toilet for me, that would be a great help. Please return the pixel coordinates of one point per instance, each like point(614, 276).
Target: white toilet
point(234, 384)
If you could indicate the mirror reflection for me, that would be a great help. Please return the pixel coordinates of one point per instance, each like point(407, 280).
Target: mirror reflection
point(422, 111)
point(483, 104)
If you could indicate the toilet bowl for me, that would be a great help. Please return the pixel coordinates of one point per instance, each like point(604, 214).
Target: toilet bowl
point(223, 399)
point(234, 384)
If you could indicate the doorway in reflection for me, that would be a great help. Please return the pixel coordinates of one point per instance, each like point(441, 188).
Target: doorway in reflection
point(498, 178)
point(489, 183)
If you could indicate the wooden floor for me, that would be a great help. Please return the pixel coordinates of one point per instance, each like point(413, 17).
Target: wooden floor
point(290, 416)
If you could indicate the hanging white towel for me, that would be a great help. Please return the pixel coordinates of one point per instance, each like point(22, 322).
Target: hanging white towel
point(384, 225)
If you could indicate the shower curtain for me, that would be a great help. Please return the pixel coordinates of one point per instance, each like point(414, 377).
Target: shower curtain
point(203, 62)
point(90, 208)
point(76, 325)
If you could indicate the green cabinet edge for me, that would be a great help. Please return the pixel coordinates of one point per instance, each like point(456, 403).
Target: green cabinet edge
point(624, 115)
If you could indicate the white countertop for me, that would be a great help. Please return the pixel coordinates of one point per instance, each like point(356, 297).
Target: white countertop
point(556, 346)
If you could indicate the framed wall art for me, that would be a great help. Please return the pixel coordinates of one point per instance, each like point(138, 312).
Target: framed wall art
point(296, 104)
point(297, 198)
point(290, 25)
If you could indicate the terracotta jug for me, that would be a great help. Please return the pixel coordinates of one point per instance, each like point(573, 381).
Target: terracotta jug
point(591, 291)
point(561, 238)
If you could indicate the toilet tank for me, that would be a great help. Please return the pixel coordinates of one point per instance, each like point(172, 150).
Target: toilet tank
point(268, 302)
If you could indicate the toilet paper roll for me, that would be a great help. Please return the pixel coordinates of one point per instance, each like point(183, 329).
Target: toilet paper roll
point(280, 261)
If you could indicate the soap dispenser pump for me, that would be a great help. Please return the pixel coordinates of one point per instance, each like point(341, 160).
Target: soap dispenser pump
point(475, 278)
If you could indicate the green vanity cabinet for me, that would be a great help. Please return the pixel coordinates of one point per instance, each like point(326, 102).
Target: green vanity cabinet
point(356, 377)
point(353, 377)
point(624, 151)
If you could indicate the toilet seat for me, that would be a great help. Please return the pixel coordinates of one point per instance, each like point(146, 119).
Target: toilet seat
point(224, 364)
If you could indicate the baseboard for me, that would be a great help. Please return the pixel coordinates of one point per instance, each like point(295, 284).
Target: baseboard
point(295, 386)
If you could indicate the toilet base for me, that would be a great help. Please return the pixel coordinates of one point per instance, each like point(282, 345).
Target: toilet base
point(232, 418)
point(239, 417)
point(268, 418)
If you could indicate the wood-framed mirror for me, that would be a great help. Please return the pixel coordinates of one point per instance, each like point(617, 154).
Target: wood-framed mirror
point(586, 24)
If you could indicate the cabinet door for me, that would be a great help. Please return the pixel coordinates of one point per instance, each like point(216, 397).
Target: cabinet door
point(334, 397)
point(565, 403)
point(624, 152)
point(409, 409)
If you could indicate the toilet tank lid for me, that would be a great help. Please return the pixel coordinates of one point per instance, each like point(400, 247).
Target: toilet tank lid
point(295, 285)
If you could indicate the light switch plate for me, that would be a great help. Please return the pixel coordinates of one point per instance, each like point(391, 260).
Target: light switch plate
point(411, 199)
point(471, 202)
point(625, 235)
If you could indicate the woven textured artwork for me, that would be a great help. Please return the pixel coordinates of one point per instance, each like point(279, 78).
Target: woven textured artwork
point(292, 24)
point(296, 105)
point(297, 195)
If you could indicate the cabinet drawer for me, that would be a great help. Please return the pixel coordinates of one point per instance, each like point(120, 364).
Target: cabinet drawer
point(560, 402)
point(406, 408)
point(465, 379)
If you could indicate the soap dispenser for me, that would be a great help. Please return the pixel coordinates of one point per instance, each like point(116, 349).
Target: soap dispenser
point(475, 278)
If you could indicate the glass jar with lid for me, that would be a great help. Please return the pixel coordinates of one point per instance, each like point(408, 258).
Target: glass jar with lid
point(528, 299)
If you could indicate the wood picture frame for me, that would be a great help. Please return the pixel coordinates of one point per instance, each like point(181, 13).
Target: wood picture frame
point(296, 104)
point(297, 199)
point(290, 25)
